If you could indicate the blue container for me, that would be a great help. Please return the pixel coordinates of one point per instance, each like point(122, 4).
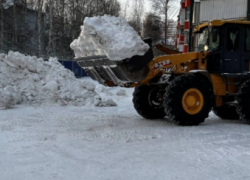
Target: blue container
point(74, 67)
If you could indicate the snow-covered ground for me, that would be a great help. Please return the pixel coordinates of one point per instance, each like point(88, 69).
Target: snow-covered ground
point(108, 143)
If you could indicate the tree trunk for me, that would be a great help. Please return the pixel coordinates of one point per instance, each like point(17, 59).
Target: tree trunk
point(14, 37)
point(50, 44)
point(1, 28)
point(39, 22)
point(26, 48)
point(62, 29)
point(166, 22)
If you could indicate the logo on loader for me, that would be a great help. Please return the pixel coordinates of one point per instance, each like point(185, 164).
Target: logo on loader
point(161, 64)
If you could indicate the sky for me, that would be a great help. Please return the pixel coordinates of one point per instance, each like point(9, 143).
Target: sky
point(148, 7)
point(147, 4)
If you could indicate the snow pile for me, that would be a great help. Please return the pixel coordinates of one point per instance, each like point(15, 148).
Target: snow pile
point(83, 46)
point(110, 35)
point(121, 92)
point(103, 103)
point(31, 80)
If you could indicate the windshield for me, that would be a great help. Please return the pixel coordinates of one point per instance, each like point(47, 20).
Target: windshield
point(203, 39)
point(206, 39)
point(214, 39)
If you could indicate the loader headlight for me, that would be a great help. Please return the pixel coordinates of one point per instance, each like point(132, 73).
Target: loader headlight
point(205, 47)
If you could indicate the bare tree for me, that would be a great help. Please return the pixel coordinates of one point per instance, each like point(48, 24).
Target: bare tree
point(39, 21)
point(14, 37)
point(137, 15)
point(166, 9)
point(25, 6)
point(152, 27)
point(53, 24)
point(1, 26)
point(124, 10)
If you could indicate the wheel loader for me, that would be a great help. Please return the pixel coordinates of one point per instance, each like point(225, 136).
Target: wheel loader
point(185, 87)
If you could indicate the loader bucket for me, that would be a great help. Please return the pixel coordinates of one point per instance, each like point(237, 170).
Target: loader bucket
point(113, 73)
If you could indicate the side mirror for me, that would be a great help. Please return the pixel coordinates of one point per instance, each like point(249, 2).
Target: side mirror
point(214, 35)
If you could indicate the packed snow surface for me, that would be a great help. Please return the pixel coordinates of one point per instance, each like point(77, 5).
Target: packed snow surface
point(31, 80)
point(115, 143)
point(108, 35)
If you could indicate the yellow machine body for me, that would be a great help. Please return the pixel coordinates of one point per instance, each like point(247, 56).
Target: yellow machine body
point(178, 64)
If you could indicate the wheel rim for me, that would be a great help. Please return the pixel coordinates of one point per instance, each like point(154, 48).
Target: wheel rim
point(155, 98)
point(192, 101)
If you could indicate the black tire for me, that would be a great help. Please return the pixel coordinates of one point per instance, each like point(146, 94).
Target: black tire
point(174, 100)
point(146, 102)
point(226, 112)
point(243, 99)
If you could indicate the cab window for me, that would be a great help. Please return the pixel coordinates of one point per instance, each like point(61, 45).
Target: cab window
point(214, 39)
point(203, 39)
point(232, 38)
point(247, 39)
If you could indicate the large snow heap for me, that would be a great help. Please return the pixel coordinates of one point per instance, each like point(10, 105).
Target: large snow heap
point(31, 80)
point(108, 35)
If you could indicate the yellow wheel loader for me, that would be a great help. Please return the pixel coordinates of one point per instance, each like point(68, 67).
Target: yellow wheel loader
point(186, 87)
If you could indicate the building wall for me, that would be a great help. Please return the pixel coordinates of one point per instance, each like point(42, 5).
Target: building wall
point(171, 33)
point(26, 34)
point(222, 9)
point(196, 13)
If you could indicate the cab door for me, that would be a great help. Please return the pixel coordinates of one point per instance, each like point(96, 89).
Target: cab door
point(230, 62)
point(245, 55)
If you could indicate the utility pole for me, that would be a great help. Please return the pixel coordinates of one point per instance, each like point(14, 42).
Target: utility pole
point(248, 10)
point(166, 21)
point(191, 25)
point(1, 27)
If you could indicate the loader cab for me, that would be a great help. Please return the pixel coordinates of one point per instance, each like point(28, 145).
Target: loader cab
point(229, 45)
